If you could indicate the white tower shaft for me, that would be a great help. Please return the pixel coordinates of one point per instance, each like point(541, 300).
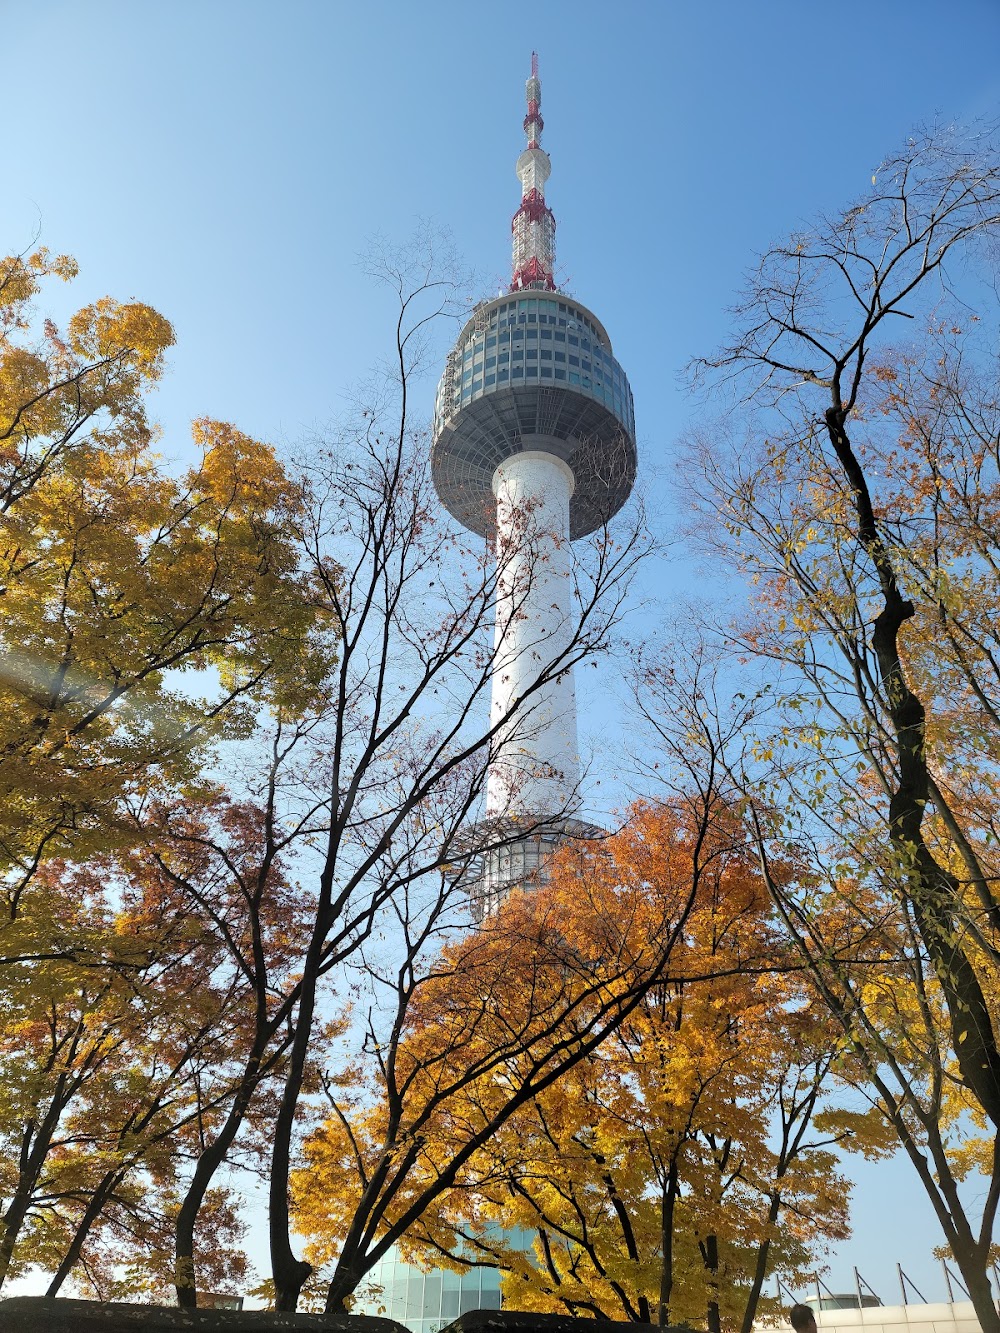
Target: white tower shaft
point(536, 771)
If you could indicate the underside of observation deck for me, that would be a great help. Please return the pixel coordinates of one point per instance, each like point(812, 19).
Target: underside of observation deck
point(509, 421)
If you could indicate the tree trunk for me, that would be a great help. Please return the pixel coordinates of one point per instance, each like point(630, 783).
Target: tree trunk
point(344, 1280)
point(289, 1273)
point(760, 1267)
point(185, 1268)
point(93, 1211)
point(980, 1292)
point(710, 1253)
point(668, 1197)
point(35, 1144)
point(932, 890)
point(13, 1220)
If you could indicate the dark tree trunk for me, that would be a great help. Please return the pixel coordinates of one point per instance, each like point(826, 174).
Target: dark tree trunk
point(185, 1267)
point(342, 1285)
point(289, 1273)
point(35, 1145)
point(668, 1198)
point(980, 1292)
point(93, 1211)
point(710, 1253)
point(760, 1267)
point(932, 890)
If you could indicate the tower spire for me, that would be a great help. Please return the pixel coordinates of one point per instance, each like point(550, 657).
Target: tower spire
point(533, 225)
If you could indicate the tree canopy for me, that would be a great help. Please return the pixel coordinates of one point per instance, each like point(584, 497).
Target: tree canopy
point(852, 477)
point(646, 1173)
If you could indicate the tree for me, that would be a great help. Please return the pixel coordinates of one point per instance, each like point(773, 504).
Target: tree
point(648, 1176)
point(862, 509)
point(222, 866)
point(454, 1051)
point(101, 1063)
point(117, 579)
point(461, 1048)
point(122, 585)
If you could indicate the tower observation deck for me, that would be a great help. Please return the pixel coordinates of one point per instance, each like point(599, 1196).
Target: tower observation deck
point(534, 446)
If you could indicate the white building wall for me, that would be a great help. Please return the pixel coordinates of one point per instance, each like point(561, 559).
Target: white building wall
point(932, 1317)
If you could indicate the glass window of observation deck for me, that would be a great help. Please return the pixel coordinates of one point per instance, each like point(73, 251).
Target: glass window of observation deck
point(414, 1296)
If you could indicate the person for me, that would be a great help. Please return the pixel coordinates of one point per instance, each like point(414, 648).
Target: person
point(802, 1319)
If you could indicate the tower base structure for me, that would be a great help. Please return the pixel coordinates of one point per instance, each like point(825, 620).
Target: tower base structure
point(520, 862)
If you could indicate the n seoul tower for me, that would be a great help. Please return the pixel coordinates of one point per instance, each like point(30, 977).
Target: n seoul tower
point(534, 446)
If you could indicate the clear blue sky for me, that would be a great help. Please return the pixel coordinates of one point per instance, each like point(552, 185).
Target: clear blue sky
point(228, 161)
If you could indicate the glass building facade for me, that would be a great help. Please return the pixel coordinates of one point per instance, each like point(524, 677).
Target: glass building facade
point(536, 339)
point(491, 876)
point(425, 1302)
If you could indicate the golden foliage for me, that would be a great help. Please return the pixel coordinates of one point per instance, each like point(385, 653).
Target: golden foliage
point(676, 1102)
point(117, 577)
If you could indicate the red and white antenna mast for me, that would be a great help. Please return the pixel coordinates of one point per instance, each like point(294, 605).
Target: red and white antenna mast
point(533, 225)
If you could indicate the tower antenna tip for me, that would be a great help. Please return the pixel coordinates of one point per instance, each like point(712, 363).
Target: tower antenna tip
point(534, 64)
